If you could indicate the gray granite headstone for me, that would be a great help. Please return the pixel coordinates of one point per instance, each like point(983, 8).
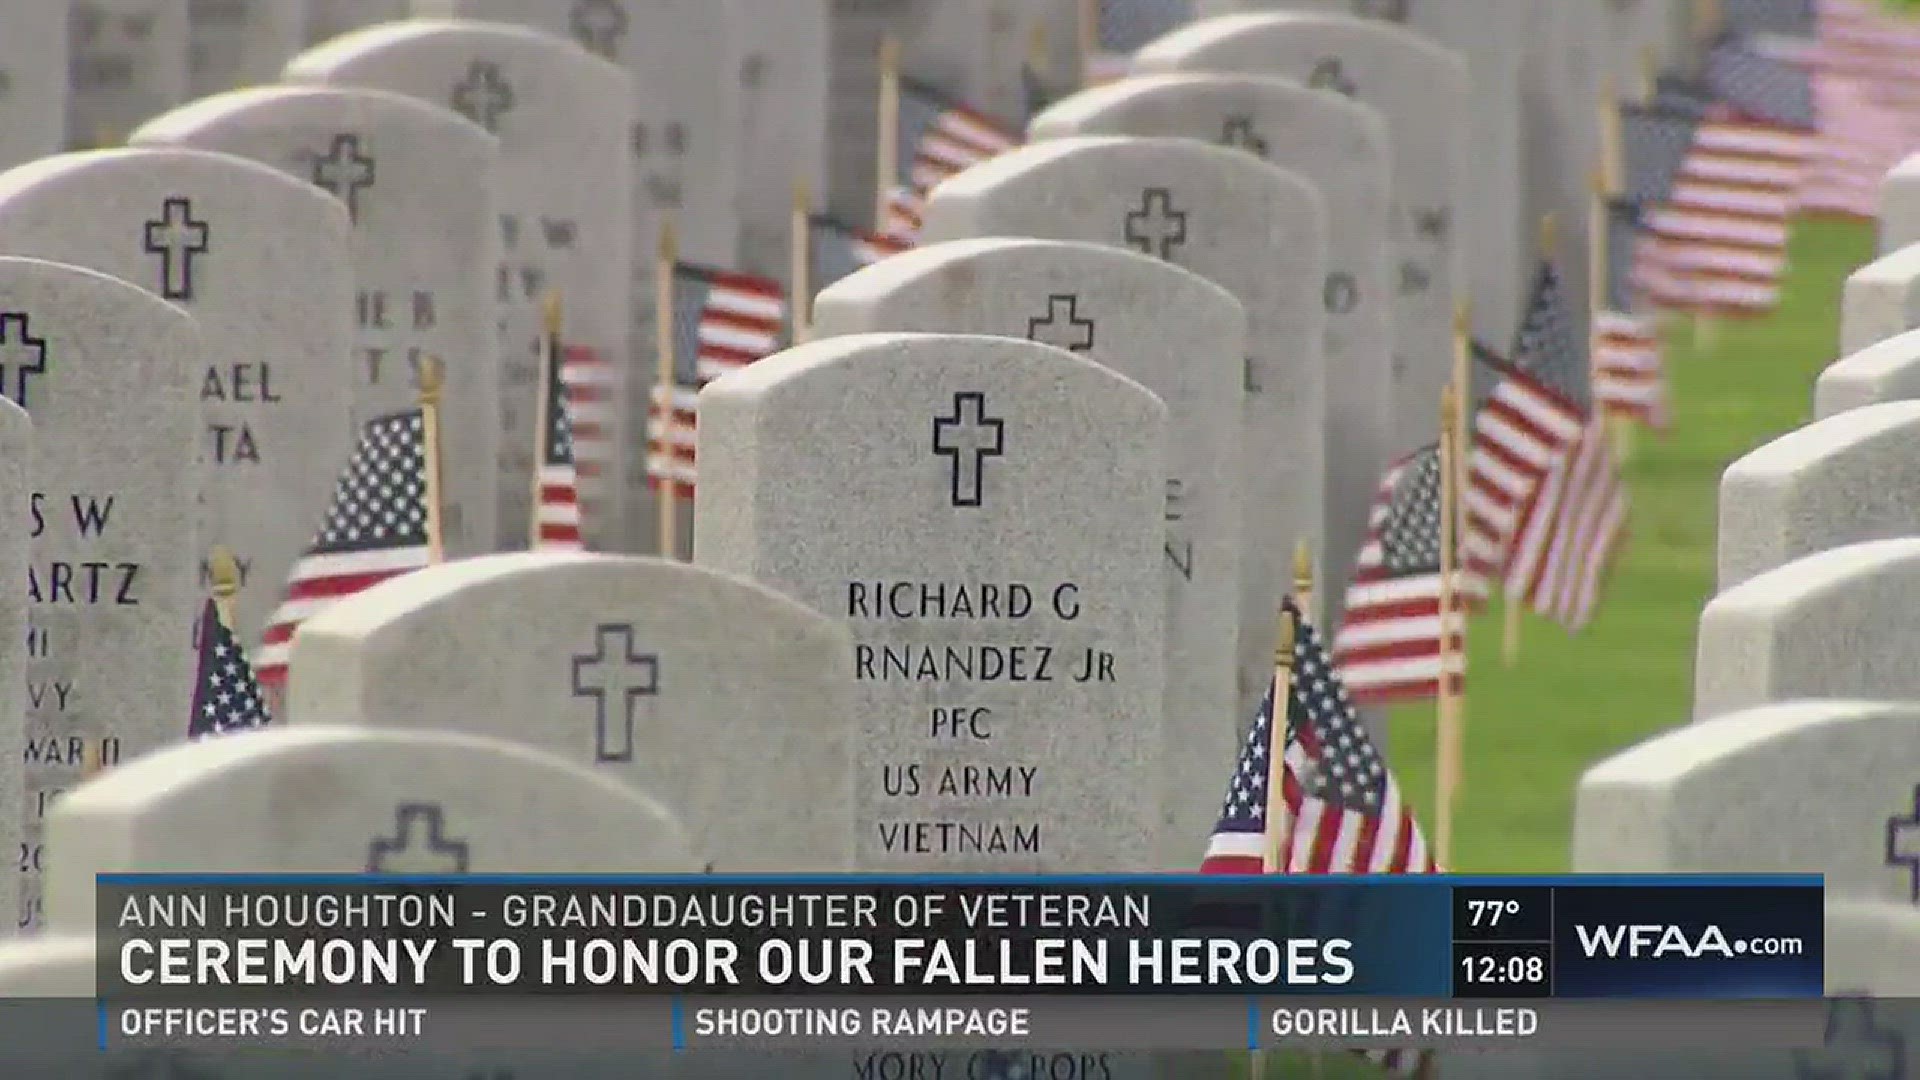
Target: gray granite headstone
point(784, 78)
point(985, 514)
point(17, 476)
point(264, 263)
point(1342, 147)
point(548, 101)
point(236, 43)
point(1837, 481)
point(725, 699)
point(1421, 89)
point(1900, 205)
point(1880, 299)
point(33, 81)
point(1887, 370)
point(111, 584)
point(420, 185)
point(1837, 623)
point(352, 800)
point(1257, 231)
point(1561, 83)
point(126, 62)
point(1181, 337)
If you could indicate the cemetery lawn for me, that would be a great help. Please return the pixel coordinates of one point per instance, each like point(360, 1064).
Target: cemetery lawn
point(1570, 700)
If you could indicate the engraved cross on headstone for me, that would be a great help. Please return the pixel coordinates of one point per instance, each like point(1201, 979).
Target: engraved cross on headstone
point(968, 438)
point(1157, 228)
point(21, 355)
point(1855, 1047)
point(615, 674)
point(1062, 326)
point(1330, 74)
point(176, 236)
point(1240, 133)
point(1903, 845)
point(400, 853)
point(484, 96)
point(599, 25)
point(344, 172)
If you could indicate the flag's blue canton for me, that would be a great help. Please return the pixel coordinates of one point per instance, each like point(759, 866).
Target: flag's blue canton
point(1125, 25)
point(1623, 234)
point(226, 697)
point(835, 250)
point(1410, 535)
point(1653, 143)
point(691, 287)
point(1248, 800)
point(559, 447)
point(380, 502)
point(1344, 768)
point(1681, 94)
point(1794, 17)
point(1549, 347)
point(1761, 88)
point(921, 107)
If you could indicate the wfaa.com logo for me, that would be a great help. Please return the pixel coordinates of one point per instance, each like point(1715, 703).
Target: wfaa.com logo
point(1657, 941)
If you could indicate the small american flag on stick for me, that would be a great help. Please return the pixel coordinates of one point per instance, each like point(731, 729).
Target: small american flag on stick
point(932, 138)
point(722, 321)
point(1113, 30)
point(226, 695)
point(556, 485)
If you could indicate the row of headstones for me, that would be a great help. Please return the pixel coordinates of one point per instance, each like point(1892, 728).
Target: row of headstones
point(1804, 751)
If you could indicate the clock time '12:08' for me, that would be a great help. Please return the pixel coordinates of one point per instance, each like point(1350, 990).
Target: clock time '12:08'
point(1502, 969)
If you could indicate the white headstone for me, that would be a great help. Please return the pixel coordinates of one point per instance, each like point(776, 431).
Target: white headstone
point(1422, 91)
point(1880, 299)
point(1341, 146)
point(352, 800)
point(111, 582)
point(236, 43)
point(264, 263)
point(420, 185)
point(16, 486)
point(548, 101)
point(47, 966)
point(1837, 623)
point(127, 61)
point(1887, 370)
point(725, 699)
point(1181, 337)
point(33, 81)
point(986, 515)
point(1900, 205)
point(1257, 231)
point(1834, 482)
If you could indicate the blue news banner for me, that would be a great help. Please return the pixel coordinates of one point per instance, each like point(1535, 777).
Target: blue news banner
point(1116, 963)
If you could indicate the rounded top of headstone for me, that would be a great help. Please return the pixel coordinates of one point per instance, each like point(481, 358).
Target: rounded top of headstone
point(47, 966)
point(147, 342)
point(952, 262)
point(1719, 743)
point(1898, 267)
point(1247, 42)
point(425, 39)
point(1825, 574)
point(388, 607)
point(1109, 155)
point(1142, 99)
point(79, 175)
point(1908, 166)
point(1819, 442)
point(351, 800)
point(817, 365)
point(294, 106)
point(1887, 370)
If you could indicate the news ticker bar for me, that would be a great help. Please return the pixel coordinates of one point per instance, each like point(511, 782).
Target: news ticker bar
point(167, 937)
point(695, 1025)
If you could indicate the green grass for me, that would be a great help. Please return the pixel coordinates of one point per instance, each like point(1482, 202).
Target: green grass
point(1570, 700)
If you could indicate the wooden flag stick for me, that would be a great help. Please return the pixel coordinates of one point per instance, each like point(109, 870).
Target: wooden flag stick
point(666, 504)
point(1462, 377)
point(1278, 840)
point(433, 376)
point(887, 142)
point(225, 571)
point(550, 316)
point(1037, 57)
point(1448, 729)
point(1088, 25)
point(92, 759)
point(1706, 21)
point(1649, 73)
point(800, 264)
point(1609, 137)
point(1303, 580)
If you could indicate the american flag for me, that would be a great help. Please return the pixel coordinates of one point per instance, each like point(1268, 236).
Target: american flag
point(589, 375)
point(1629, 374)
point(1389, 641)
point(556, 510)
point(1724, 226)
point(836, 249)
point(1567, 532)
point(1680, 93)
point(1117, 28)
point(1867, 90)
point(1653, 143)
point(936, 138)
point(1767, 16)
point(226, 696)
point(375, 529)
point(722, 321)
point(1341, 810)
point(1522, 428)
